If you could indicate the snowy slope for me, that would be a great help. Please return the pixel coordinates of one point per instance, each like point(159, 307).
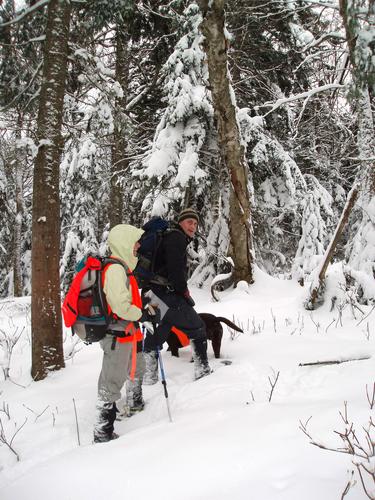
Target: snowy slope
point(226, 439)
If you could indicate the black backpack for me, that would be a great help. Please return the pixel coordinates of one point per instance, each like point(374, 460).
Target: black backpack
point(150, 242)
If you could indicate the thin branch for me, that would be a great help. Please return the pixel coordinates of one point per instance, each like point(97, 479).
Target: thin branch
point(334, 361)
point(273, 385)
point(24, 14)
point(297, 97)
point(77, 426)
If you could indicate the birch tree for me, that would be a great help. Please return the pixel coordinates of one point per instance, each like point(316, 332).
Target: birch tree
point(232, 149)
point(47, 351)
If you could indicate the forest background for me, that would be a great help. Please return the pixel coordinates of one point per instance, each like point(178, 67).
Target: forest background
point(258, 114)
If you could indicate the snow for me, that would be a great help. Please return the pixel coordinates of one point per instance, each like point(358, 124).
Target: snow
point(227, 440)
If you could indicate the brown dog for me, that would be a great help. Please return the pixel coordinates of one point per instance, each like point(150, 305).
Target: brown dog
point(214, 332)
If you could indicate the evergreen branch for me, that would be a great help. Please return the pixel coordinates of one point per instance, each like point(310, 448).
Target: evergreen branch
point(33, 77)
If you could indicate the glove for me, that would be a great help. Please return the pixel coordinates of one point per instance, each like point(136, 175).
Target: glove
point(189, 299)
point(150, 313)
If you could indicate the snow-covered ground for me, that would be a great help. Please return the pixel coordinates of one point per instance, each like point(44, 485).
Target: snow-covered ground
point(227, 440)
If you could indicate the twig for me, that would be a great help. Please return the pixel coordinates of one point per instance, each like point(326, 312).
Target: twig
point(77, 426)
point(9, 444)
point(274, 321)
point(40, 414)
point(317, 325)
point(352, 482)
point(27, 408)
point(330, 324)
point(5, 409)
point(371, 400)
point(367, 315)
point(273, 385)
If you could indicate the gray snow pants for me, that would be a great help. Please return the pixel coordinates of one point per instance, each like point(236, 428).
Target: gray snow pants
point(116, 369)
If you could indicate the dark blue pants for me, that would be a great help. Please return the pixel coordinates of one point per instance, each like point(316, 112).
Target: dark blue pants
point(182, 316)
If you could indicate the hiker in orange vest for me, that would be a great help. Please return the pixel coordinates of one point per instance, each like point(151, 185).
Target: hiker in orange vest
point(119, 345)
point(174, 300)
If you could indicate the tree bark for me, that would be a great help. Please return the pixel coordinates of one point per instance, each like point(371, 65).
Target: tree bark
point(119, 147)
point(232, 150)
point(47, 348)
point(18, 221)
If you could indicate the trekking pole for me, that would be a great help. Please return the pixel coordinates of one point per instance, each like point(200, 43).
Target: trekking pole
point(162, 372)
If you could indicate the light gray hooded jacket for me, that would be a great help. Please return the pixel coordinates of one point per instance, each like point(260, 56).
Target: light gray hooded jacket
point(121, 241)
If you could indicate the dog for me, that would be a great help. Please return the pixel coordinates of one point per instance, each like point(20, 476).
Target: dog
point(214, 332)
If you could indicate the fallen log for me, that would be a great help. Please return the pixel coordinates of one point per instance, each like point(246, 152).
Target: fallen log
point(333, 361)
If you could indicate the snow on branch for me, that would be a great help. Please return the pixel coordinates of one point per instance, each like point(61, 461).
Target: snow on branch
point(303, 95)
point(26, 12)
point(327, 5)
point(318, 41)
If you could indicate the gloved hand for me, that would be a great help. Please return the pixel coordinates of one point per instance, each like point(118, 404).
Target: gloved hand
point(150, 313)
point(189, 299)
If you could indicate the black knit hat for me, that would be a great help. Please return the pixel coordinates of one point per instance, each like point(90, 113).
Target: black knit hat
point(188, 213)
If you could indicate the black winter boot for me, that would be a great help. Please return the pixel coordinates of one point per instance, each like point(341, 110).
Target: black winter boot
point(103, 430)
point(201, 366)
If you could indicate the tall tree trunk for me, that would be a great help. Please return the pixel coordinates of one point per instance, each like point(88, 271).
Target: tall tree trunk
point(232, 151)
point(119, 146)
point(362, 67)
point(18, 221)
point(47, 348)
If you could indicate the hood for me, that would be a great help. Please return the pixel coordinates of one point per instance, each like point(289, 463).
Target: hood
point(121, 241)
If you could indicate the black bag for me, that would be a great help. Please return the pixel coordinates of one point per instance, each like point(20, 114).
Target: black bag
point(150, 242)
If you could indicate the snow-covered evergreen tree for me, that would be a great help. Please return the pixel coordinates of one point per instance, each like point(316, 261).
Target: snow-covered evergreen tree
point(358, 18)
point(173, 170)
point(317, 220)
point(80, 219)
point(279, 189)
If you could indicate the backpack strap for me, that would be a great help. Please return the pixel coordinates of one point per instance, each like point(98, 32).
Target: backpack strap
point(132, 332)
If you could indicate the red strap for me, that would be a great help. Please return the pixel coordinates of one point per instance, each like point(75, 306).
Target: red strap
point(134, 336)
point(132, 333)
point(182, 337)
point(136, 296)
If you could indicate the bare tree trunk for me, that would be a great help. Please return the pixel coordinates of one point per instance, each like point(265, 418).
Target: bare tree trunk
point(317, 288)
point(233, 153)
point(47, 349)
point(18, 221)
point(119, 147)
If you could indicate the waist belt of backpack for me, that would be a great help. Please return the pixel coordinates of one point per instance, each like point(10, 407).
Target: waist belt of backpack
point(160, 280)
point(119, 333)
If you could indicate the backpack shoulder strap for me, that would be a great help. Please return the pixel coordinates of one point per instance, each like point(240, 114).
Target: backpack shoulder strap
point(136, 298)
point(107, 261)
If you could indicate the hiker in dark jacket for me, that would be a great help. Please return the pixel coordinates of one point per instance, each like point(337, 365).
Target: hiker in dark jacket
point(174, 300)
